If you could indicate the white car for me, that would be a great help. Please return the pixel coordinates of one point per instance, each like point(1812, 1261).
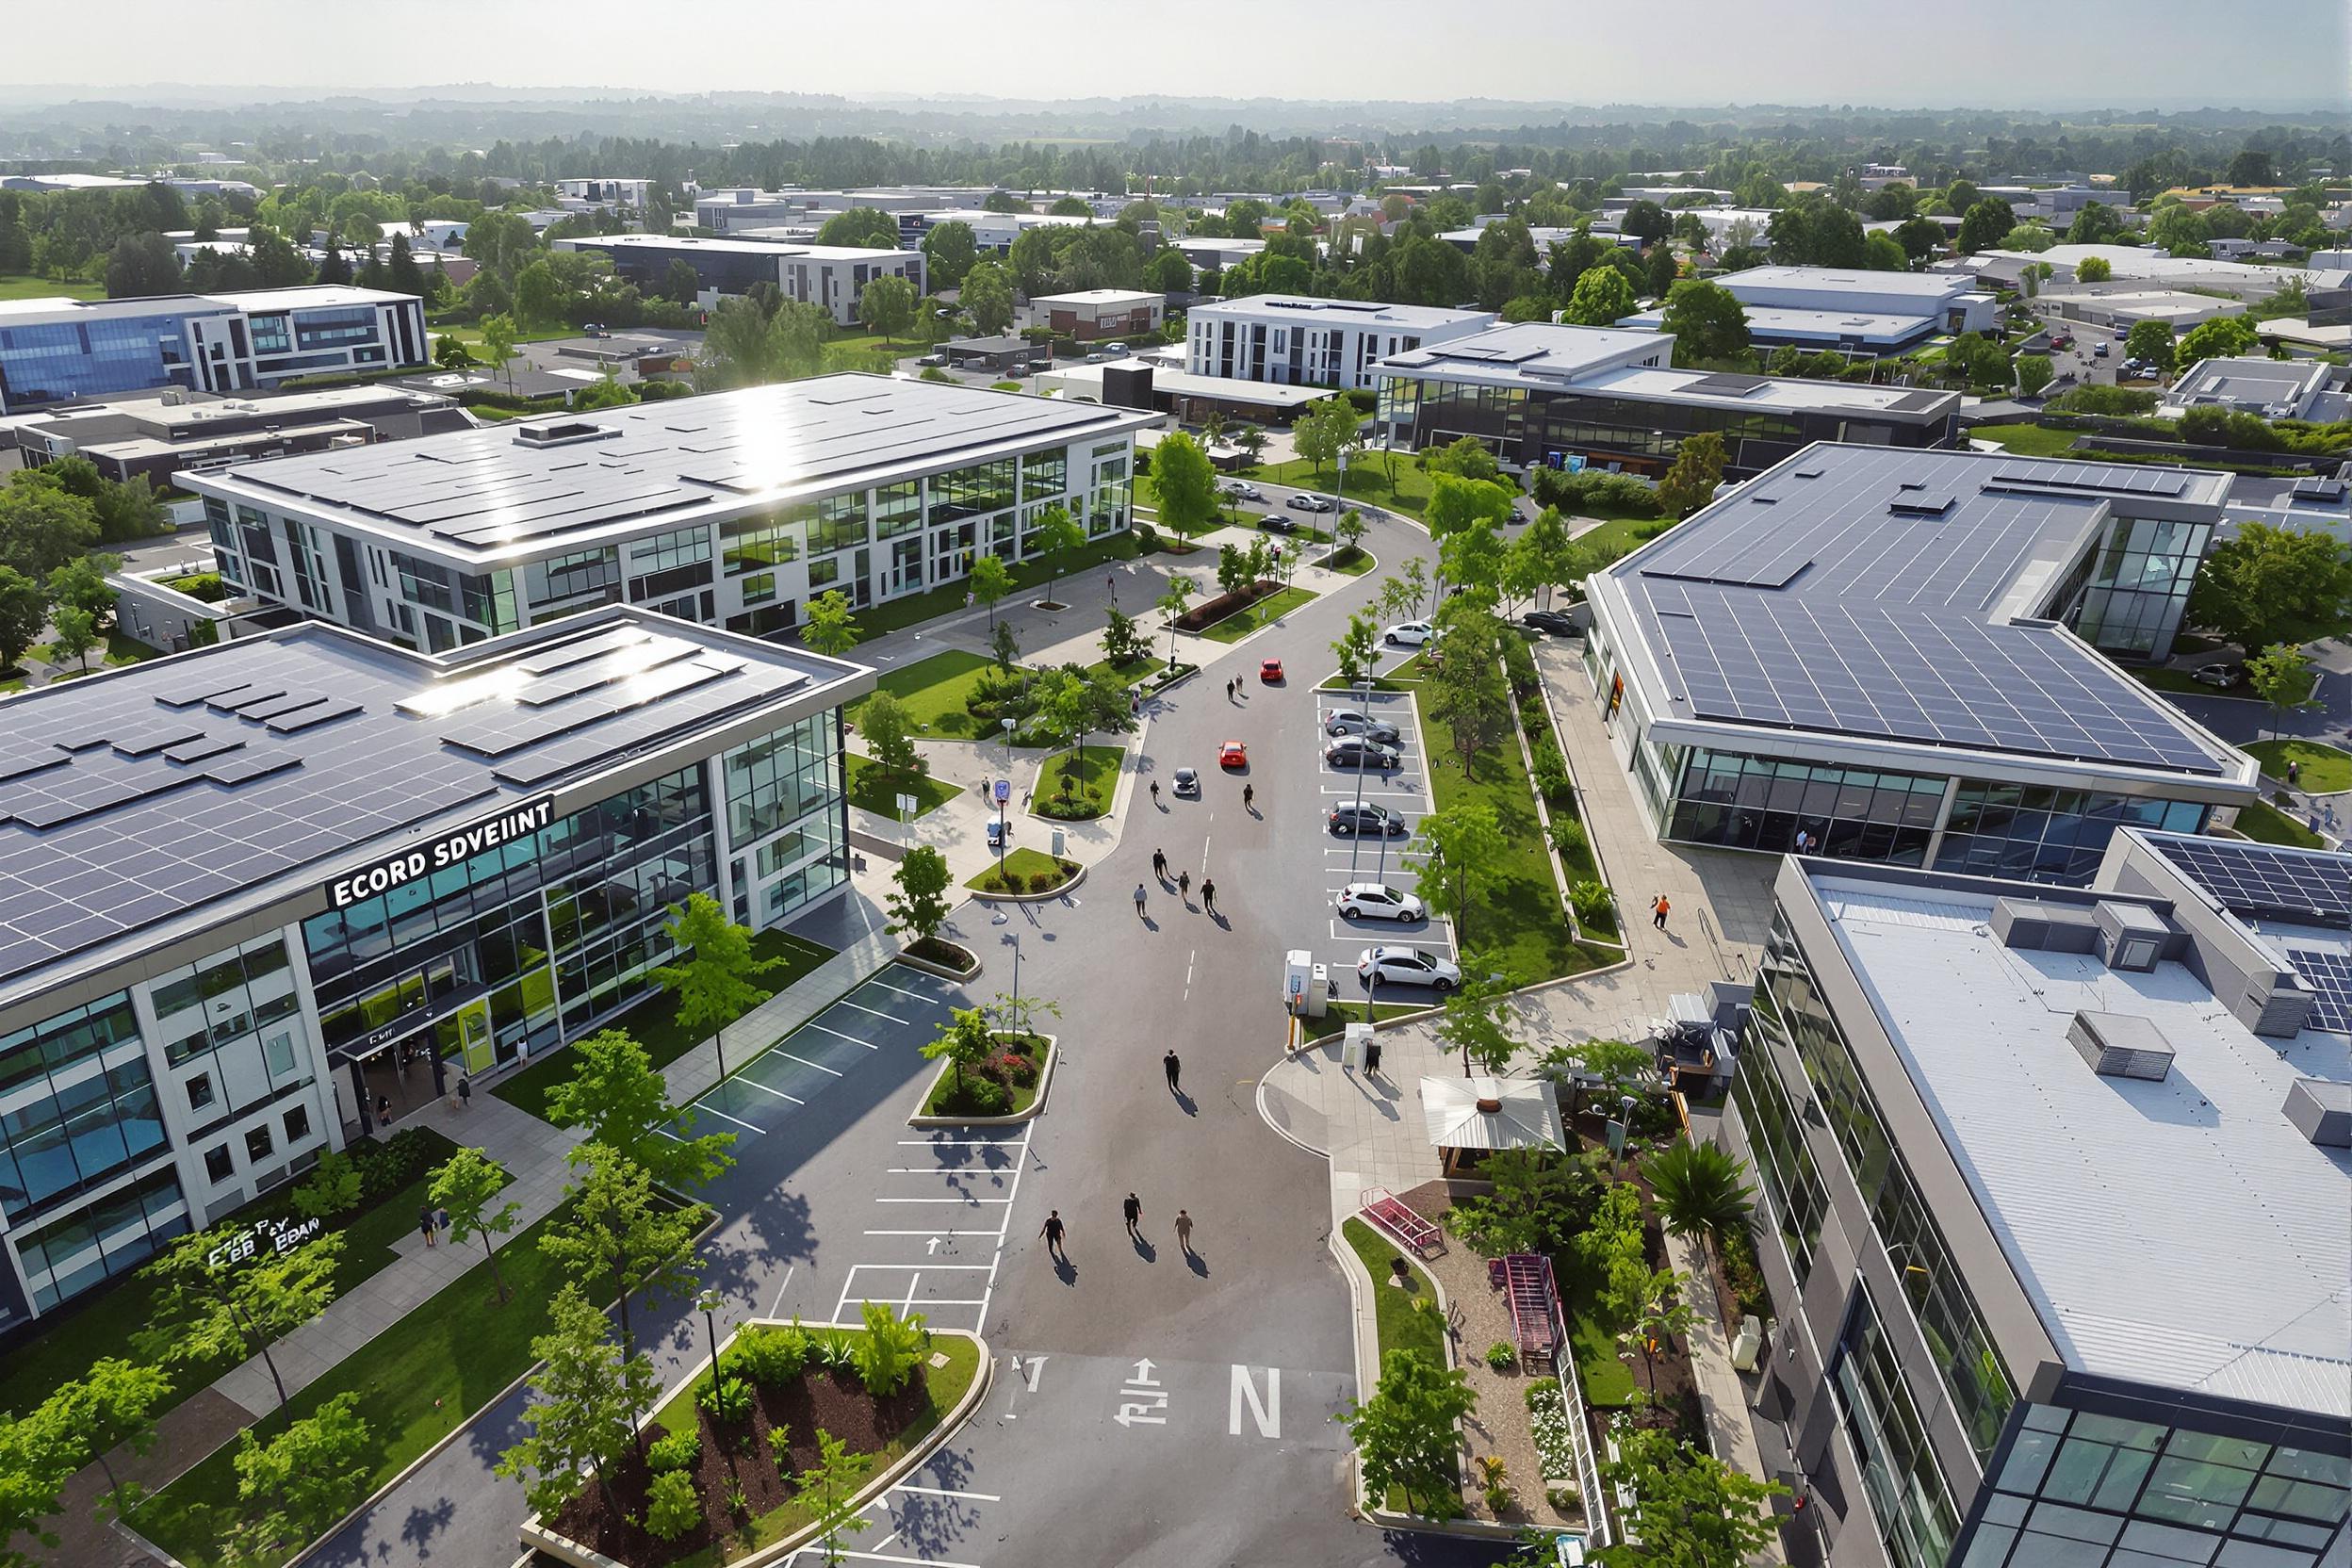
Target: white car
point(1242, 492)
point(1407, 966)
point(1371, 901)
point(1308, 503)
point(1409, 634)
point(1187, 781)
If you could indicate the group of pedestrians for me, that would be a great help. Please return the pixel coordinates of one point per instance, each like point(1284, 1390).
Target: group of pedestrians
point(1184, 885)
point(1055, 1232)
point(431, 1221)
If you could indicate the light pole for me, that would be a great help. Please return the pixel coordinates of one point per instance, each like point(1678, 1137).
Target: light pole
point(709, 1303)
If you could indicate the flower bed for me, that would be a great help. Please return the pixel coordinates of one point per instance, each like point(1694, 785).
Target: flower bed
point(1026, 871)
point(1005, 1084)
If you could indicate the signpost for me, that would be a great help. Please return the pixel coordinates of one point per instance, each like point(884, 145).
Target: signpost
point(1004, 792)
point(907, 807)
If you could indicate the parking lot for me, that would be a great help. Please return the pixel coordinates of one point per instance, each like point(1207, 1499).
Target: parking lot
point(1369, 857)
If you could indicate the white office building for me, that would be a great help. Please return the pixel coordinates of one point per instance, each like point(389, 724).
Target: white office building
point(833, 276)
point(605, 191)
point(1854, 312)
point(2272, 388)
point(1291, 341)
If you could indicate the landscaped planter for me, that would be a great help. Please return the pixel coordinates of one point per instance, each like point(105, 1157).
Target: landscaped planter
point(1035, 1107)
point(932, 956)
point(1166, 679)
point(1076, 874)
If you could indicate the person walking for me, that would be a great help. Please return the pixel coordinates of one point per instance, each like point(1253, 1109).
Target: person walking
point(1372, 1057)
point(1139, 915)
point(1229, 691)
point(1111, 583)
point(1659, 908)
point(1159, 865)
point(1208, 894)
point(383, 1109)
point(1175, 1070)
point(1155, 792)
point(465, 1092)
point(1249, 797)
point(1184, 1231)
point(440, 1219)
point(424, 1223)
point(1052, 1231)
point(1183, 885)
point(1132, 1209)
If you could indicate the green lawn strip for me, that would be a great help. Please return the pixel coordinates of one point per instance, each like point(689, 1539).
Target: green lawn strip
point(1354, 561)
point(1095, 775)
point(1519, 925)
point(418, 1382)
point(2027, 440)
point(1338, 1015)
point(2327, 770)
point(49, 289)
point(102, 1325)
point(653, 1023)
point(1020, 865)
point(2267, 825)
point(1608, 1380)
point(934, 691)
point(944, 1385)
point(2162, 679)
point(876, 788)
point(1402, 1327)
point(896, 615)
point(1397, 677)
point(1127, 674)
point(1367, 480)
point(1241, 623)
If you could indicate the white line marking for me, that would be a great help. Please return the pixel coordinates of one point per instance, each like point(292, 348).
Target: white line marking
point(667, 1134)
point(951, 1143)
point(895, 1302)
point(884, 1557)
point(778, 1305)
point(951, 1231)
point(942, 1199)
point(918, 1267)
point(724, 1116)
point(749, 1082)
point(919, 996)
point(838, 1035)
point(943, 1491)
point(892, 1017)
point(780, 1051)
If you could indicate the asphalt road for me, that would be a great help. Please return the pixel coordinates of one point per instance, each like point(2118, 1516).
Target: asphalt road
point(1149, 1408)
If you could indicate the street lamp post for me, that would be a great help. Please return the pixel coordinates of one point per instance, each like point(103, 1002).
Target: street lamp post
point(709, 1302)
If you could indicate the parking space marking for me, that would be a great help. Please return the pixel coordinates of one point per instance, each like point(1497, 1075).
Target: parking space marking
point(920, 996)
point(747, 1126)
point(853, 1039)
point(845, 1002)
point(944, 1491)
point(745, 1078)
point(780, 1051)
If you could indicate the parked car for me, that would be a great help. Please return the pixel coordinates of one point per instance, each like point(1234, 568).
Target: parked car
point(1274, 522)
point(1187, 781)
point(1232, 754)
point(2099, 351)
point(932, 361)
point(1558, 622)
point(1371, 901)
point(1303, 503)
point(1346, 721)
point(1116, 349)
point(1270, 671)
point(1348, 818)
point(1407, 966)
point(2218, 674)
point(1354, 751)
point(1409, 634)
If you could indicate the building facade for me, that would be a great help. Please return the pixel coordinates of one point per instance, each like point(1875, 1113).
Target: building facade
point(63, 351)
point(1099, 315)
point(733, 509)
point(1294, 341)
point(2053, 1215)
point(316, 878)
point(832, 276)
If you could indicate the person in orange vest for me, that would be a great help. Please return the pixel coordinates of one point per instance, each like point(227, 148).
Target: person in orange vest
point(1659, 909)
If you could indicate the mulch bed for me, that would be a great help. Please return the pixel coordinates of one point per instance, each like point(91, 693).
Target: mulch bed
point(932, 950)
point(740, 1453)
point(1215, 610)
point(1014, 1065)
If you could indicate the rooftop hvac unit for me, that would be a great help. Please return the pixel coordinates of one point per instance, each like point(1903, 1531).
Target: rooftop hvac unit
point(2321, 1110)
point(2131, 936)
point(2120, 1045)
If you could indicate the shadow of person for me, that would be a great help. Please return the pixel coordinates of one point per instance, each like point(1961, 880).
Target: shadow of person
point(1197, 1263)
point(1185, 1103)
point(1066, 1271)
point(1151, 925)
point(1218, 917)
point(1145, 1250)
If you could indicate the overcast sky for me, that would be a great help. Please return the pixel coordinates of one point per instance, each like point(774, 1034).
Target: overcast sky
point(1999, 54)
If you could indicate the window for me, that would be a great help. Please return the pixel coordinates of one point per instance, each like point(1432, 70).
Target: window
point(218, 1165)
point(298, 1124)
point(1908, 1493)
point(200, 1091)
point(258, 1144)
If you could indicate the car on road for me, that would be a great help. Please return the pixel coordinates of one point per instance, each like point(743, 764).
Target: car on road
point(1346, 721)
point(932, 361)
point(2099, 351)
point(1371, 901)
point(2218, 674)
point(1303, 503)
point(1409, 634)
point(1187, 781)
point(1242, 491)
point(2122, 333)
point(1232, 754)
point(1354, 751)
point(1348, 818)
point(1270, 671)
point(1098, 357)
point(1407, 966)
point(1114, 348)
point(1558, 622)
point(1274, 522)
point(2062, 341)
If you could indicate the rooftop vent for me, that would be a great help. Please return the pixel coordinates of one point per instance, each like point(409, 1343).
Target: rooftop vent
point(2119, 1045)
point(2321, 1110)
point(1911, 501)
point(2030, 925)
point(561, 432)
point(2131, 936)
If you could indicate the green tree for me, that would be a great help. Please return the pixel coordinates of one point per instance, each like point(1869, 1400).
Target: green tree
point(964, 1041)
point(887, 305)
point(831, 630)
point(615, 1230)
point(861, 228)
point(1539, 1200)
point(300, 1481)
point(1123, 643)
point(498, 345)
point(1663, 1314)
point(1464, 686)
point(1347, 534)
point(1466, 851)
point(112, 1404)
point(142, 266)
point(1706, 320)
point(1602, 298)
point(585, 1401)
point(1690, 484)
point(1456, 503)
point(539, 295)
point(1690, 1510)
point(1699, 1191)
point(1472, 557)
point(1358, 649)
point(2150, 341)
point(1326, 429)
point(1186, 481)
point(828, 1490)
point(1985, 225)
point(210, 1304)
point(334, 1186)
point(2281, 676)
point(42, 527)
point(468, 1186)
point(1477, 1021)
point(2223, 338)
point(2034, 372)
point(1622, 1068)
point(1234, 571)
point(889, 732)
point(987, 296)
point(2271, 585)
point(1168, 272)
point(989, 582)
point(451, 354)
point(917, 899)
point(1005, 645)
point(949, 252)
point(623, 1105)
point(81, 584)
point(73, 634)
point(1407, 1435)
point(2091, 269)
point(680, 282)
point(716, 983)
point(39, 1454)
point(1179, 594)
point(1541, 559)
point(1056, 536)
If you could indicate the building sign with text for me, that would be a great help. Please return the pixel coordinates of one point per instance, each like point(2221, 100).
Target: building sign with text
point(280, 1236)
point(453, 849)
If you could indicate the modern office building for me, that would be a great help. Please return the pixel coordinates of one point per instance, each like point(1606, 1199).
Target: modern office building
point(160, 434)
point(1608, 397)
point(2269, 388)
point(1898, 656)
point(993, 232)
point(1291, 341)
point(2055, 1210)
point(1870, 314)
point(247, 890)
point(833, 276)
point(54, 351)
point(605, 192)
point(730, 509)
point(1098, 315)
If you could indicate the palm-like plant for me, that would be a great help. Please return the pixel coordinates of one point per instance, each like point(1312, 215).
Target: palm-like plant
point(1660, 1322)
point(1699, 1190)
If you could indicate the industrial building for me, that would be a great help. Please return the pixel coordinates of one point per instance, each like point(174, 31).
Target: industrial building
point(1859, 312)
point(157, 435)
point(1098, 315)
point(2270, 388)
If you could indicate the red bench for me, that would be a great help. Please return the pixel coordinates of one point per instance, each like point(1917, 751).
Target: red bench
point(1388, 1215)
point(1528, 1280)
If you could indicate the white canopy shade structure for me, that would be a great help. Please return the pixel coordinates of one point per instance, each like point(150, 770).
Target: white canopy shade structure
point(1482, 1114)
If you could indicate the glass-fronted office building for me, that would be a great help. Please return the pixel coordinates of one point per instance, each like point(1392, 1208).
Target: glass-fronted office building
point(731, 509)
point(264, 897)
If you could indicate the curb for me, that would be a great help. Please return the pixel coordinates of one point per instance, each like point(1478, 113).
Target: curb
point(1036, 1102)
point(979, 897)
point(925, 965)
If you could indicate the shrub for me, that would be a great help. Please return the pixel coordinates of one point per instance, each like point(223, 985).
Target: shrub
point(671, 1505)
point(387, 1166)
point(982, 1097)
point(1592, 491)
point(676, 1451)
point(1739, 1267)
point(1551, 774)
point(830, 1347)
point(1020, 1069)
point(1590, 901)
point(1499, 1355)
point(1042, 881)
point(769, 1355)
point(206, 586)
point(1568, 837)
point(891, 1349)
point(334, 1187)
point(727, 1400)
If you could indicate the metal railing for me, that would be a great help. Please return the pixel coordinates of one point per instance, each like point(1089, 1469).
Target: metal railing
point(1596, 1526)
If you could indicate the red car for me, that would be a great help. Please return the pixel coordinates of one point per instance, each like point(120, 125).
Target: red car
point(1232, 754)
point(1270, 670)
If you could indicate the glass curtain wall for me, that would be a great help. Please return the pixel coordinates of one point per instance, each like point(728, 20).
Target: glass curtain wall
point(1743, 802)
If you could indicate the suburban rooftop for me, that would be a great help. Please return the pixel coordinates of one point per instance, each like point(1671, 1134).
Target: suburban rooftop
point(779, 248)
point(1928, 288)
point(1730, 389)
point(1357, 313)
point(1531, 354)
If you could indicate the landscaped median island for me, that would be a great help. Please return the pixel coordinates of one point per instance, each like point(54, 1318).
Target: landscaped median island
point(876, 788)
point(1252, 617)
point(987, 1073)
point(1024, 870)
point(1077, 786)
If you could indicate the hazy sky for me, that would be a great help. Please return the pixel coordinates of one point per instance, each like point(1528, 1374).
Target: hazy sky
point(2002, 54)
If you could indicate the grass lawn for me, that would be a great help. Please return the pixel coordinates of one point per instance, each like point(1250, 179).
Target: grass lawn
point(934, 691)
point(1402, 1326)
point(1093, 772)
point(874, 788)
point(1019, 866)
point(876, 619)
point(1353, 560)
point(1338, 1015)
point(2162, 679)
point(2327, 770)
point(1127, 674)
point(1519, 925)
point(102, 1325)
point(1399, 676)
point(45, 289)
point(1606, 1380)
point(1367, 480)
point(653, 1023)
point(2027, 440)
point(418, 1382)
point(2266, 824)
point(1241, 623)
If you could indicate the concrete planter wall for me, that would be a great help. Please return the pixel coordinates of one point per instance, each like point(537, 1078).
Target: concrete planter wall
point(1076, 877)
point(1036, 1102)
point(926, 966)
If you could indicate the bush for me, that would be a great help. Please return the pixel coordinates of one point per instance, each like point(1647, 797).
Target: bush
point(891, 1349)
point(770, 1357)
point(206, 586)
point(1551, 774)
point(1145, 534)
point(727, 1400)
point(670, 1507)
point(1499, 1355)
point(981, 1097)
point(662, 391)
point(1590, 901)
point(2091, 399)
point(676, 1451)
point(1749, 1294)
point(384, 1168)
point(1045, 881)
point(1569, 839)
point(334, 1187)
point(1594, 491)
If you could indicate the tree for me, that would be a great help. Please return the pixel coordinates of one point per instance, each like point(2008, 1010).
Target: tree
point(990, 580)
point(1455, 504)
point(1358, 649)
point(1179, 594)
point(140, 266)
point(1327, 429)
point(276, 263)
point(2031, 237)
point(2223, 338)
point(1005, 645)
point(1465, 687)
point(1478, 1012)
point(1602, 298)
point(2272, 585)
point(74, 633)
point(1472, 557)
point(1663, 1314)
point(614, 1229)
point(39, 1454)
point(2281, 676)
point(42, 527)
point(1406, 1434)
point(1399, 597)
point(2251, 167)
point(112, 1404)
point(861, 228)
point(828, 1488)
point(301, 1480)
point(949, 252)
point(1919, 238)
point(1690, 484)
point(334, 1186)
point(585, 1401)
point(211, 1304)
point(1984, 224)
point(606, 391)
point(1168, 272)
point(498, 345)
point(1466, 851)
point(467, 1184)
point(23, 610)
point(402, 273)
point(1706, 320)
point(2097, 224)
point(616, 1096)
point(1056, 535)
point(887, 305)
point(917, 899)
point(988, 298)
point(680, 282)
point(1347, 533)
point(2150, 341)
point(1883, 252)
point(1186, 481)
point(2093, 268)
point(1700, 1195)
point(1622, 1066)
point(831, 630)
point(883, 720)
point(451, 354)
point(965, 1040)
point(1690, 1510)
point(1542, 558)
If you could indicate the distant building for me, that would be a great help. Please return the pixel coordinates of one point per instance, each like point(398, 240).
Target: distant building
point(1293, 341)
point(56, 350)
point(2272, 388)
point(833, 276)
point(1097, 314)
point(1862, 313)
point(157, 435)
point(614, 194)
point(2135, 267)
point(54, 183)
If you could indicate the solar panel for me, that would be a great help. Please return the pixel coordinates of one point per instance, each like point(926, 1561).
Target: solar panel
point(2265, 880)
point(308, 718)
point(2328, 976)
point(196, 751)
point(243, 698)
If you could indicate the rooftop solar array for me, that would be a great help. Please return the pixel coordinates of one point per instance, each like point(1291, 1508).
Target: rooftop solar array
point(1859, 591)
point(2329, 974)
point(483, 489)
point(150, 792)
point(2265, 881)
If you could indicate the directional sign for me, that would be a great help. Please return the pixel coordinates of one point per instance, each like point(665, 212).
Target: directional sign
point(1141, 1399)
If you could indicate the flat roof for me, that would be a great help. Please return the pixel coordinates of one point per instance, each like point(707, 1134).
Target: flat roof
point(301, 297)
point(1165, 378)
point(1533, 353)
point(165, 790)
point(1876, 593)
point(1785, 394)
point(486, 494)
point(2179, 1233)
point(738, 247)
point(1356, 313)
point(1830, 325)
point(2248, 379)
point(1098, 297)
point(1927, 287)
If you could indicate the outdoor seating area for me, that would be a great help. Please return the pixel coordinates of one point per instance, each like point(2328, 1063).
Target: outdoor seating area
point(1525, 1280)
point(1385, 1214)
